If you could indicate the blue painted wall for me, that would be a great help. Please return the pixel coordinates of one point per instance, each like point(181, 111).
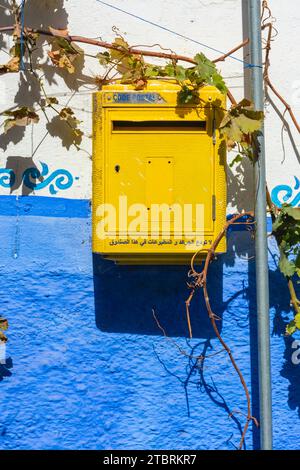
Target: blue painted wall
point(88, 367)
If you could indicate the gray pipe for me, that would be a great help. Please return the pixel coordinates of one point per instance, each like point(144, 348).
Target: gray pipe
point(261, 246)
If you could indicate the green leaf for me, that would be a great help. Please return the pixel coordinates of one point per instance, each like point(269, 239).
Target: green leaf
point(204, 66)
point(248, 125)
point(279, 222)
point(104, 57)
point(186, 95)
point(291, 328)
point(218, 82)
point(297, 321)
point(236, 160)
point(293, 212)
point(177, 72)
point(151, 71)
point(286, 266)
point(294, 325)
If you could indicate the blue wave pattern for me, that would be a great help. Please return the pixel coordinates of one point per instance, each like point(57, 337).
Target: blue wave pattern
point(284, 194)
point(34, 179)
point(7, 178)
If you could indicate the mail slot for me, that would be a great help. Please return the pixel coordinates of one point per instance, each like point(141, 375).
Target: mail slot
point(159, 173)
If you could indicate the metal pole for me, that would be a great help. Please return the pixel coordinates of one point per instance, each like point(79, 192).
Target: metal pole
point(261, 246)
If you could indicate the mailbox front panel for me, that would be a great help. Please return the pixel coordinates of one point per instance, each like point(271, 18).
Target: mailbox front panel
point(160, 174)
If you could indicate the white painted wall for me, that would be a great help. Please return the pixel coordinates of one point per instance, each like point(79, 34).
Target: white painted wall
point(217, 23)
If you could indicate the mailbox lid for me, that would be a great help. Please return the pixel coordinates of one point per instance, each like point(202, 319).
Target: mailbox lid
point(156, 93)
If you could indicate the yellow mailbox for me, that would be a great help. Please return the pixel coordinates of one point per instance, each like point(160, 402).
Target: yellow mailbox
point(159, 173)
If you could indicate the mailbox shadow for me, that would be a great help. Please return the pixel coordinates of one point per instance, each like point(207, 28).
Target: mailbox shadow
point(126, 296)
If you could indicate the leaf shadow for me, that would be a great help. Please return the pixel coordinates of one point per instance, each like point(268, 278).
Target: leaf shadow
point(5, 369)
point(195, 375)
point(19, 164)
point(59, 128)
point(41, 14)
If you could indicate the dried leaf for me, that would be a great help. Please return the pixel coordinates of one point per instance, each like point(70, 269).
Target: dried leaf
point(231, 144)
point(49, 101)
point(3, 338)
point(64, 54)
point(140, 84)
point(12, 66)
point(66, 114)
point(59, 32)
point(240, 122)
point(122, 56)
point(65, 126)
point(123, 49)
point(20, 117)
point(3, 324)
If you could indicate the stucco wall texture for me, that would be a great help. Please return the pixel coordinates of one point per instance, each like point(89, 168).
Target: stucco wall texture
point(88, 367)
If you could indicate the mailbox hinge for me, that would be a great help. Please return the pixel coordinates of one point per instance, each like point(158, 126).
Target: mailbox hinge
point(214, 207)
point(214, 136)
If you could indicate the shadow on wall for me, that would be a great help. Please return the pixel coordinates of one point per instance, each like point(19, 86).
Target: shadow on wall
point(125, 297)
point(18, 165)
point(240, 187)
point(280, 301)
point(41, 14)
point(5, 369)
point(291, 372)
point(280, 305)
point(201, 374)
point(286, 127)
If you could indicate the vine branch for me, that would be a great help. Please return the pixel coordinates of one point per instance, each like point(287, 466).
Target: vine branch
point(200, 281)
point(131, 50)
point(270, 27)
point(268, 24)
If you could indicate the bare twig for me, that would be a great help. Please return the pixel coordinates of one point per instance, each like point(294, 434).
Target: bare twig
point(270, 27)
point(182, 351)
point(200, 281)
point(232, 51)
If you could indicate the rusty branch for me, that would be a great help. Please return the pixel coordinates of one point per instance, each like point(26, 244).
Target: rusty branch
point(200, 281)
point(224, 56)
point(131, 50)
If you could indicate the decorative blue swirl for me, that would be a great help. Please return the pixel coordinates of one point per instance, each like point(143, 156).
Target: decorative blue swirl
point(8, 178)
point(288, 196)
point(35, 179)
